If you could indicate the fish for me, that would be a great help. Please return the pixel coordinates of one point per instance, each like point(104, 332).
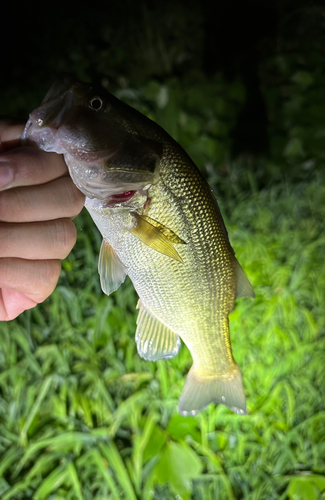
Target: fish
point(161, 225)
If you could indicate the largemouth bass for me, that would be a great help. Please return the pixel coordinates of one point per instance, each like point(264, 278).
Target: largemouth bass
point(161, 225)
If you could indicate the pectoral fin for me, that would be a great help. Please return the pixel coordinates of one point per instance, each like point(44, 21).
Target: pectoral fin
point(154, 340)
point(153, 236)
point(170, 235)
point(112, 271)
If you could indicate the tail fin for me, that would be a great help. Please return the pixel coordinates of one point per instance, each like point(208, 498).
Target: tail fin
point(200, 391)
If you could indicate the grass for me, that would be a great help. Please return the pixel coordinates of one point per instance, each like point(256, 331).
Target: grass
point(83, 417)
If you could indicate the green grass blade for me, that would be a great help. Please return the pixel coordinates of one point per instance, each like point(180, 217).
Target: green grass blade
point(115, 461)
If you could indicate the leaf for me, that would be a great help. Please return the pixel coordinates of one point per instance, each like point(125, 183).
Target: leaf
point(179, 427)
point(304, 78)
point(302, 488)
point(75, 481)
point(68, 441)
point(294, 148)
point(12, 455)
point(52, 482)
point(154, 444)
point(103, 468)
point(319, 481)
point(115, 461)
point(41, 395)
point(124, 410)
point(15, 490)
point(140, 444)
point(178, 466)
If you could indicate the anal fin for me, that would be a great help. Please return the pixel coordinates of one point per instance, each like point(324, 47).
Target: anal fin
point(112, 271)
point(154, 340)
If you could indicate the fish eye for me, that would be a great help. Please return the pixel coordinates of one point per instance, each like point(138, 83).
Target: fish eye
point(96, 103)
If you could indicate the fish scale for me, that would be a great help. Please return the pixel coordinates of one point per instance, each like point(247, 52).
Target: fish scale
point(168, 235)
point(204, 333)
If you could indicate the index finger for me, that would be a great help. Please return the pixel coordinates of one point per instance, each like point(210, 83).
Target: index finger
point(10, 133)
point(25, 165)
point(30, 166)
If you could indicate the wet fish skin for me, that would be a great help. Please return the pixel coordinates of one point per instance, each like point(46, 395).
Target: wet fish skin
point(168, 234)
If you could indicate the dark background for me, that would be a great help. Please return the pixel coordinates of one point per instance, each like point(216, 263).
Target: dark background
point(129, 43)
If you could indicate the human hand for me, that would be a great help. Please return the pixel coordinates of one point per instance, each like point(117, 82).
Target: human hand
point(37, 201)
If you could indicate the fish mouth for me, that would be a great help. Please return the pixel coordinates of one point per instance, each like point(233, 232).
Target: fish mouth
point(104, 190)
point(102, 162)
point(89, 170)
point(45, 138)
point(44, 123)
point(95, 179)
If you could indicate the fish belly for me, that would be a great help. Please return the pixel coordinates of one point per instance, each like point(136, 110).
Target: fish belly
point(183, 296)
point(192, 300)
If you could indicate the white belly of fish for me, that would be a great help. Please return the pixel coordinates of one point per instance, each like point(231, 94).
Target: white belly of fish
point(176, 300)
point(161, 282)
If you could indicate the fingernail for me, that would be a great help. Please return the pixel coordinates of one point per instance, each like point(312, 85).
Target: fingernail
point(6, 173)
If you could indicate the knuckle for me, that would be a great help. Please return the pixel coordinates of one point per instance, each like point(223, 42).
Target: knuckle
point(78, 200)
point(75, 197)
point(11, 205)
point(6, 272)
point(65, 236)
point(49, 274)
point(46, 276)
point(3, 205)
point(24, 160)
point(5, 239)
point(36, 278)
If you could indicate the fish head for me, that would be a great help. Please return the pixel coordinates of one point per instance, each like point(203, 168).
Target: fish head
point(99, 136)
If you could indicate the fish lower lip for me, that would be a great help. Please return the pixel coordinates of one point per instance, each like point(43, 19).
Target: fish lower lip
point(108, 192)
point(27, 126)
point(120, 197)
point(125, 170)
